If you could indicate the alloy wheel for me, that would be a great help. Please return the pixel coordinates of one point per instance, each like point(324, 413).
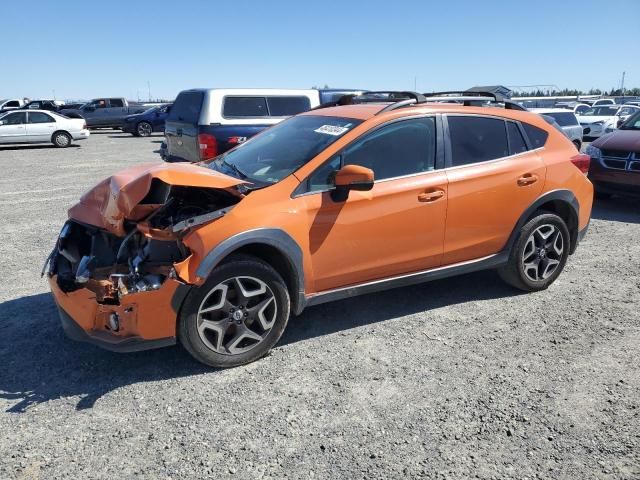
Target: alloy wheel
point(236, 315)
point(144, 129)
point(542, 253)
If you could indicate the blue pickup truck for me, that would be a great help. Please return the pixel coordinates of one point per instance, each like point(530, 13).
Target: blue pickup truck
point(206, 122)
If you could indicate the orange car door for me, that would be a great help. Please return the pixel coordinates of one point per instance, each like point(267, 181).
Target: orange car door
point(493, 177)
point(395, 228)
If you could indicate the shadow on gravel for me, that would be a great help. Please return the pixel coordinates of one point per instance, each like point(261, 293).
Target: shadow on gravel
point(35, 147)
point(392, 304)
point(617, 209)
point(40, 364)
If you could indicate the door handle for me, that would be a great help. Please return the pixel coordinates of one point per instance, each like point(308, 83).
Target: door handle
point(527, 179)
point(431, 196)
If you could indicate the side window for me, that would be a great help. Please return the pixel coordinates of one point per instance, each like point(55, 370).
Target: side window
point(287, 106)
point(99, 103)
point(39, 117)
point(244, 107)
point(15, 119)
point(537, 136)
point(516, 142)
point(12, 103)
point(402, 148)
point(116, 103)
point(477, 139)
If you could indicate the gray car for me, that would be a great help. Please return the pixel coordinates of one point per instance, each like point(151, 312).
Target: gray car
point(567, 121)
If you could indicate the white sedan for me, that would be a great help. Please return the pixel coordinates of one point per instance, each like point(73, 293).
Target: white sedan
point(604, 118)
point(41, 126)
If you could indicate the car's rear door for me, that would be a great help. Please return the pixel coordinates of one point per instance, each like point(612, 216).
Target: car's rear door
point(13, 128)
point(40, 127)
point(493, 177)
point(181, 127)
point(394, 229)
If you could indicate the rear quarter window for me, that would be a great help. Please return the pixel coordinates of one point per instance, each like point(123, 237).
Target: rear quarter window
point(537, 136)
point(238, 107)
point(187, 107)
point(287, 106)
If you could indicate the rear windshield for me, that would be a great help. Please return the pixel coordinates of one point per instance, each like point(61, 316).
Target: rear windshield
point(282, 149)
point(187, 107)
point(276, 106)
point(564, 119)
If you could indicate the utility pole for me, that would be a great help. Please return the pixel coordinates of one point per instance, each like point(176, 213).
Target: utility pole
point(622, 83)
point(415, 83)
point(149, 88)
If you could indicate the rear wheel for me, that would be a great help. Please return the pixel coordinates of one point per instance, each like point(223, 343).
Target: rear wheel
point(539, 254)
point(61, 139)
point(237, 316)
point(144, 129)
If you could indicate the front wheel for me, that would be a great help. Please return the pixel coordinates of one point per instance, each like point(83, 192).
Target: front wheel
point(237, 316)
point(539, 254)
point(144, 129)
point(61, 139)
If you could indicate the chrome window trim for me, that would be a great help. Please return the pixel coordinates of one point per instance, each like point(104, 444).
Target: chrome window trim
point(494, 160)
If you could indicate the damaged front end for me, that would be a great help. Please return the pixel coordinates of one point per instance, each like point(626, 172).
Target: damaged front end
point(113, 270)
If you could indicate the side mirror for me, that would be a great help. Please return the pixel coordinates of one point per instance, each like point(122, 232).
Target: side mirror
point(351, 177)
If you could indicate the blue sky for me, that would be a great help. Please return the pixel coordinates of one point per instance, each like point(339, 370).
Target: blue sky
point(84, 49)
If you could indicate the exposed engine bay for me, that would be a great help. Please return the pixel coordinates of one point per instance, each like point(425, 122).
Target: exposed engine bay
point(112, 265)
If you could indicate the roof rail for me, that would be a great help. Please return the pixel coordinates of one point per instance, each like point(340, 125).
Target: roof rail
point(398, 99)
point(472, 96)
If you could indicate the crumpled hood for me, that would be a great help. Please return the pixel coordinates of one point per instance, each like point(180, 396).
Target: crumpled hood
point(621, 140)
point(117, 198)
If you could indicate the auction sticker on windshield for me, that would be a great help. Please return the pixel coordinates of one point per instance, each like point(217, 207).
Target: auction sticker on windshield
point(331, 130)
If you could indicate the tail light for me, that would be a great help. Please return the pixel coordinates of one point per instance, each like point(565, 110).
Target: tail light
point(236, 140)
point(582, 162)
point(208, 146)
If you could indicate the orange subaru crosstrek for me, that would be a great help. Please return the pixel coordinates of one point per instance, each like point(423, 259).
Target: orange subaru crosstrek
point(331, 203)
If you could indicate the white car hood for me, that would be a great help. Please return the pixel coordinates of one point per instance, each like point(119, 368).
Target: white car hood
point(593, 119)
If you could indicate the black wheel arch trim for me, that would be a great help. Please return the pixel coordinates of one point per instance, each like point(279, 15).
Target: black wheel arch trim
point(273, 237)
point(565, 196)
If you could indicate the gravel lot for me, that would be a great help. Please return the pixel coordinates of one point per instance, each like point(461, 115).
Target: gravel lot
point(453, 379)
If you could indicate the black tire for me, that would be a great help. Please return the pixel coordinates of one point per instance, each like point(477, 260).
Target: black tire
point(143, 129)
point(600, 195)
point(200, 345)
point(578, 144)
point(61, 139)
point(518, 272)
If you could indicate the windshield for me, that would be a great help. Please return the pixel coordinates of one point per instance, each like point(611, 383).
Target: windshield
point(601, 112)
point(632, 124)
point(282, 149)
point(149, 110)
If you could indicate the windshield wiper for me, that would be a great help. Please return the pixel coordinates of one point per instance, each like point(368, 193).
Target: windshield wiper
point(235, 169)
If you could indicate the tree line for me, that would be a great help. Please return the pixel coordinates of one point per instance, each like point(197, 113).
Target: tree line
point(566, 92)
